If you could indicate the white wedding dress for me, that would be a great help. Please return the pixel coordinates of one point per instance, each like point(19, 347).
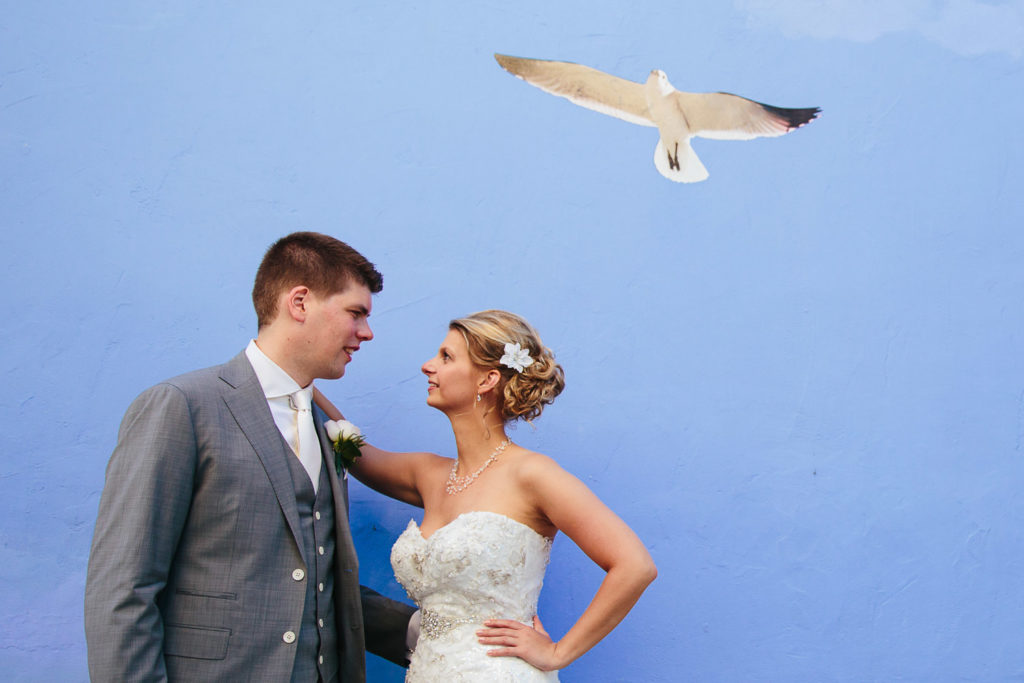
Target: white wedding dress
point(481, 565)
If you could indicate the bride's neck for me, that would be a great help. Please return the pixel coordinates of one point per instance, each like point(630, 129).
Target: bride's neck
point(475, 442)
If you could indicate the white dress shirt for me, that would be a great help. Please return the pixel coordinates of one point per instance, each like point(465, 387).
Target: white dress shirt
point(277, 387)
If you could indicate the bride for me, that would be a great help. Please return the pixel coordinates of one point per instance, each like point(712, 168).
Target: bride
point(476, 563)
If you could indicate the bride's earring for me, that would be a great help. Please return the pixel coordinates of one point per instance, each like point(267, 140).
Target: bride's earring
point(479, 398)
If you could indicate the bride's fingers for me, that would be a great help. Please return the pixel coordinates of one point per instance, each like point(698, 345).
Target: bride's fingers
point(503, 623)
point(498, 628)
point(506, 642)
point(502, 632)
point(496, 633)
point(497, 637)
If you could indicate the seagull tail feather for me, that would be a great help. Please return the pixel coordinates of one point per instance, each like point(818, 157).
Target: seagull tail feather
point(683, 166)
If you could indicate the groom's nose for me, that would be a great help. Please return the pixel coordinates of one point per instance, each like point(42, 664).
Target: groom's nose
point(364, 332)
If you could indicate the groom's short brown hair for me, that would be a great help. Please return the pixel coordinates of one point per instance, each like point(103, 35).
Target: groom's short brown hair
point(324, 264)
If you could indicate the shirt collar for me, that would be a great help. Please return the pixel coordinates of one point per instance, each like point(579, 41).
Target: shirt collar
point(275, 381)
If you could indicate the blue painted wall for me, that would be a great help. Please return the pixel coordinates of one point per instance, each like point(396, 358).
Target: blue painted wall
point(800, 381)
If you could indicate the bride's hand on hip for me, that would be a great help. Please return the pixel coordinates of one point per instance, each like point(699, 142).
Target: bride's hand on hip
point(533, 645)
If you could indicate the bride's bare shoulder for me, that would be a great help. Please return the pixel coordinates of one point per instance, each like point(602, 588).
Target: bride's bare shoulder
point(532, 467)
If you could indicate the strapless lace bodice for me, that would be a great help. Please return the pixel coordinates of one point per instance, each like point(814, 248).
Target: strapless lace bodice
point(481, 565)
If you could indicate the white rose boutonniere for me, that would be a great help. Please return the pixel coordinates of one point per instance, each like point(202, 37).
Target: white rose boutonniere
point(347, 440)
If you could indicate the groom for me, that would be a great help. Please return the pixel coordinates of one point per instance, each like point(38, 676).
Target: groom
point(222, 549)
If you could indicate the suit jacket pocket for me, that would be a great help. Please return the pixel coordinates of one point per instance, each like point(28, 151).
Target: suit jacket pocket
point(205, 594)
point(197, 642)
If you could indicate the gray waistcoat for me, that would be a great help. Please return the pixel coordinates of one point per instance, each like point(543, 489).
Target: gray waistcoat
point(317, 655)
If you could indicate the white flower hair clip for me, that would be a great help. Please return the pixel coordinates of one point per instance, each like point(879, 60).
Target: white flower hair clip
point(516, 357)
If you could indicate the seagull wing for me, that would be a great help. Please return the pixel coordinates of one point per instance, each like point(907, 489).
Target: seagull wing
point(584, 86)
point(722, 116)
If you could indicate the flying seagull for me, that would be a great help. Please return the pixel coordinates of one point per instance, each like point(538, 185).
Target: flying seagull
point(677, 115)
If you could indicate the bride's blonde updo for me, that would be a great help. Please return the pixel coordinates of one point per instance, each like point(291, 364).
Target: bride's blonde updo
point(524, 393)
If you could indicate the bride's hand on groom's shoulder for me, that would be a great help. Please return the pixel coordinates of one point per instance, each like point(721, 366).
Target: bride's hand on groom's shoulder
point(516, 639)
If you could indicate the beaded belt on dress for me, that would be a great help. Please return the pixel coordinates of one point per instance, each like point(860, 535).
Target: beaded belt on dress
point(434, 625)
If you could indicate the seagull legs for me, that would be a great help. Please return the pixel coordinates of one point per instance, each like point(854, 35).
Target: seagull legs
point(673, 161)
point(676, 161)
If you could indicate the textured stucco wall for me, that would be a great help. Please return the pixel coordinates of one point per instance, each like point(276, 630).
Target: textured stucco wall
point(800, 381)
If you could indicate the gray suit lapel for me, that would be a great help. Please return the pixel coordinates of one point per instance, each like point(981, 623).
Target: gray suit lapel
point(248, 405)
point(327, 448)
point(339, 487)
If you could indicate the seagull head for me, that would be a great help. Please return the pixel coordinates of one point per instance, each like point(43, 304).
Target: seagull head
point(658, 76)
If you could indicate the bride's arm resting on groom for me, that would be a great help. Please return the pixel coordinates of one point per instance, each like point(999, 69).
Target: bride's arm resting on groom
point(393, 474)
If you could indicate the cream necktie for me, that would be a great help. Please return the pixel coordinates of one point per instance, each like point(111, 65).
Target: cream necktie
point(308, 446)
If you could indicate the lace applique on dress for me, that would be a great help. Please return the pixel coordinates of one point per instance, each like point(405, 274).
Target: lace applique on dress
point(481, 565)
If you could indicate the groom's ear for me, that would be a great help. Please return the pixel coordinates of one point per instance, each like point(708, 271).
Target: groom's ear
point(296, 303)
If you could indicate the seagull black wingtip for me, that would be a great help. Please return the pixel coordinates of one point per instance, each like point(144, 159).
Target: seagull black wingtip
point(793, 118)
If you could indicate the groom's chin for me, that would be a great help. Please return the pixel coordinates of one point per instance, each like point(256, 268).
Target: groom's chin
point(334, 373)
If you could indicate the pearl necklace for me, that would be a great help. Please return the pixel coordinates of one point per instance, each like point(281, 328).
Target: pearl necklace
point(456, 484)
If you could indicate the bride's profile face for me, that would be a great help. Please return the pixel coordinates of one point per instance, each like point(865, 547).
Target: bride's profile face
point(451, 377)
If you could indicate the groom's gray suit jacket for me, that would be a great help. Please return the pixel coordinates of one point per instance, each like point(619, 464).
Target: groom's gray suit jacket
point(193, 563)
